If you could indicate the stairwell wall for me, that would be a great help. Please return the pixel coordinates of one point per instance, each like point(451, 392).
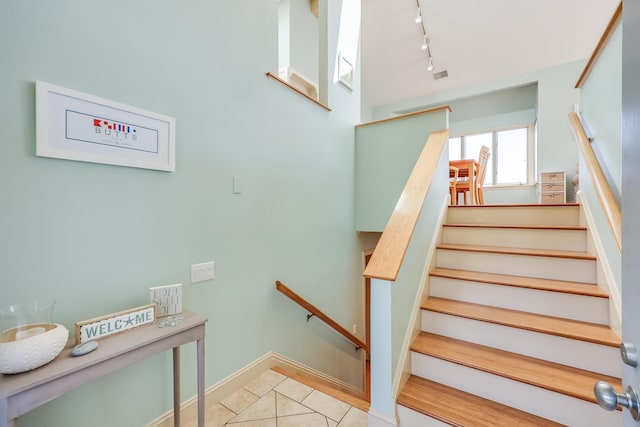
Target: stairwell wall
point(95, 237)
point(601, 115)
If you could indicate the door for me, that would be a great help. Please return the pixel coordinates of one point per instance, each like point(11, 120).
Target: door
point(631, 189)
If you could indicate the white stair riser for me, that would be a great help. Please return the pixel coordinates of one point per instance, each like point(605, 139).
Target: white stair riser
point(543, 267)
point(565, 351)
point(410, 418)
point(535, 400)
point(520, 215)
point(557, 304)
point(570, 240)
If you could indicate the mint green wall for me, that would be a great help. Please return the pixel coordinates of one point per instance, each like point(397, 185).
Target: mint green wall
point(601, 114)
point(556, 148)
point(386, 153)
point(601, 109)
point(95, 237)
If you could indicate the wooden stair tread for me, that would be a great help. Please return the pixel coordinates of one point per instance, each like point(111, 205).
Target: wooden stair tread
point(586, 289)
point(518, 251)
point(562, 379)
point(515, 205)
point(458, 408)
point(518, 226)
point(583, 331)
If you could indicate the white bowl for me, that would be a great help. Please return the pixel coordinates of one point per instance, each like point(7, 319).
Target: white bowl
point(28, 347)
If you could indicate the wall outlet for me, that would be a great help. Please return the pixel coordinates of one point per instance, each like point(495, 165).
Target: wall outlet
point(168, 298)
point(354, 330)
point(202, 272)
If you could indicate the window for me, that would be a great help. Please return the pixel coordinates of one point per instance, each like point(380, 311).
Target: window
point(511, 161)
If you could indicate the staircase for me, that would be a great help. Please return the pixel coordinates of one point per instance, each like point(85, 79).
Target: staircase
point(514, 330)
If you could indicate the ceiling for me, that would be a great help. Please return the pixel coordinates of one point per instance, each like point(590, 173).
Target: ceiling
point(473, 40)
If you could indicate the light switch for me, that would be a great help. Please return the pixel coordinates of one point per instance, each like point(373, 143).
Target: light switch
point(202, 272)
point(237, 185)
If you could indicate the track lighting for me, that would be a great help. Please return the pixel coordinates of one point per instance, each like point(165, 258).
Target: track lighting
point(426, 41)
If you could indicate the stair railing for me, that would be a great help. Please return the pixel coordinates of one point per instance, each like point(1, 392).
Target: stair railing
point(316, 312)
point(607, 200)
point(387, 258)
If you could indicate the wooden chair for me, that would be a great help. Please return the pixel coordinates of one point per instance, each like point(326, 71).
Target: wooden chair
point(464, 186)
point(453, 181)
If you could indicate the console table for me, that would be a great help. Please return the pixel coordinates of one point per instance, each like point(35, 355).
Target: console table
point(20, 393)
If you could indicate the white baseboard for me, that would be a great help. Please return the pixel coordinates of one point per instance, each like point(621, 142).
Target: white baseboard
point(378, 419)
point(605, 278)
point(234, 382)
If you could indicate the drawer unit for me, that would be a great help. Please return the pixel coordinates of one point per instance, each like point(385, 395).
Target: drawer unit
point(552, 188)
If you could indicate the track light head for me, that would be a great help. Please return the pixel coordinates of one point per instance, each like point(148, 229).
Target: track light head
point(418, 19)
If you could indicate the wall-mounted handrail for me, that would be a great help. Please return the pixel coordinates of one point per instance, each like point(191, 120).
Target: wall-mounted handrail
point(607, 200)
point(387, 258)
point(281, 287)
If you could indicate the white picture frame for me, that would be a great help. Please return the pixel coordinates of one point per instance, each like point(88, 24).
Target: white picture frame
point(77, 126)
point(345, 72)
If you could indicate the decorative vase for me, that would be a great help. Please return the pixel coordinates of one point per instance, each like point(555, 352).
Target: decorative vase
point(29, 338)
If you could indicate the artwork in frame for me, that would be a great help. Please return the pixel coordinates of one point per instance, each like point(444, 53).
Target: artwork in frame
point(345, 72)
point(77, 126)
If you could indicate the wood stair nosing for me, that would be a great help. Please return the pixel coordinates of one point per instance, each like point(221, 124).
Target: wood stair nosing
point(517, 205)
point(552, 253)
point(444, 404)
point(567, 380)
point(573, 329)
point(518, 226)
point(586, 289)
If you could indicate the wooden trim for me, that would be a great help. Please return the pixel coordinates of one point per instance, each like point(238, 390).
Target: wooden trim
point(404, 116)
point(387, 258)
point(552, 253)
point(613, 24)
point(287, 85)
point(608, 202)
point(357, 400)
point(281, 287)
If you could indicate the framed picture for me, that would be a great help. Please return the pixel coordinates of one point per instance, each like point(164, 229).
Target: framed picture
point(345, 72)
point(77, 126)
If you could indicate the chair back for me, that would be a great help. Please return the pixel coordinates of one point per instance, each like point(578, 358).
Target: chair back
point(482, 165)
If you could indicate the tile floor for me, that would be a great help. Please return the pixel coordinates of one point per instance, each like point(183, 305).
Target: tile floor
point(274, 400)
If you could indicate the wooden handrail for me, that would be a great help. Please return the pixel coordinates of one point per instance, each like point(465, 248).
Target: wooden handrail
point(608, 202)
point(608, 32)
point(387, 258)
point(281, 287)
point(405, 116)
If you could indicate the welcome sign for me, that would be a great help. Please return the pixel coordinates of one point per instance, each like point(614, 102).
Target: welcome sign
point(110, 324)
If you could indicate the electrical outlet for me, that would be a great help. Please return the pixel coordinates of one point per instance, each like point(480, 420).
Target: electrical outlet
point(354, 330)
point(202, 272)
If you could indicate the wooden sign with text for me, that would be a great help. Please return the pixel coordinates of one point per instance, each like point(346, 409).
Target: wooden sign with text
point(114, 323)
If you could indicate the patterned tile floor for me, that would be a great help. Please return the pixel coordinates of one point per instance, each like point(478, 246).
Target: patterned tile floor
point(274, 400)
